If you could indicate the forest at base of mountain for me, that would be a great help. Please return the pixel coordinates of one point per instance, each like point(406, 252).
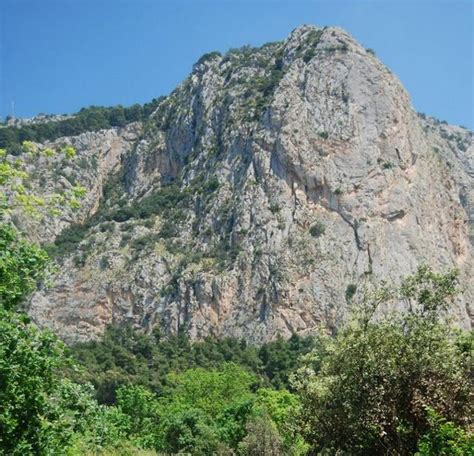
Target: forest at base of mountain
point(401, 385)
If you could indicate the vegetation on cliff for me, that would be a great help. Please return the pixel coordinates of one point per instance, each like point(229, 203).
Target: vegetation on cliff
point(93, 118)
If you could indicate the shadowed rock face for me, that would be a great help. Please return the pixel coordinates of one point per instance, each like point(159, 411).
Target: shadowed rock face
point(270, 185)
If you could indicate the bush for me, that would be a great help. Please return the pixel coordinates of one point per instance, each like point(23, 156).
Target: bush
point(445, 438)
point(317, 230)
point(104, 263)
point(308, 55)
point(66, 242)
point(274, 208)
point(30, 420)
point(350, 291)
point(262, 439)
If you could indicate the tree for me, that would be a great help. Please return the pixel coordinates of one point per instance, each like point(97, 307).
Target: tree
point(22, 265)
point(280, 357)
point(29, 359)
point(201, 403)
point(365, 391)
point(209, 389)
point(189, 431)
point(281, 408)
point(262, 438)
point(140, 414)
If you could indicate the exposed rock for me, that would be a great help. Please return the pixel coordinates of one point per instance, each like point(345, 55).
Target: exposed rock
point(262, 188)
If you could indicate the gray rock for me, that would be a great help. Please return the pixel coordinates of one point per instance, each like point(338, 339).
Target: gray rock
point(301, 169)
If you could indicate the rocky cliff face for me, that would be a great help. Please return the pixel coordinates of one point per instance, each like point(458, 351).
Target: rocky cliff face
point(262, 196)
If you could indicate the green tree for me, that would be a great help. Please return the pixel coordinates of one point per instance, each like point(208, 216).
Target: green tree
point(204, 409)
point(262, 438)
point(140, 415)
point(209, 389)
point(365, 391)
point(280, 358)
point(22, 266)
point(189, 431)
point(281, 408)
point(29, 358)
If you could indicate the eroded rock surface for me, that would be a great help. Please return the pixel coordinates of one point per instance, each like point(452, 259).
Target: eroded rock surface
point(263, 192)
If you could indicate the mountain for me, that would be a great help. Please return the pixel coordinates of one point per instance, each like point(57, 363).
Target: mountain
point(261, 197)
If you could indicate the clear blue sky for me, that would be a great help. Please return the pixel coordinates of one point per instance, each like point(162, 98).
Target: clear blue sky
point(57, 56)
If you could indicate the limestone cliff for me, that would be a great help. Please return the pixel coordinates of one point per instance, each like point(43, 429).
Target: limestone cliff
point(260, 198)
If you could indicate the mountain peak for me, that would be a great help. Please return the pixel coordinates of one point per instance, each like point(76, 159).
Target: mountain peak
point(261, 197)
point(301, 30)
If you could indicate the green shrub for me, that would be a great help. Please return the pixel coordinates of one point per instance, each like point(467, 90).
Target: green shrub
point(445, 438)
point(262, 438)
point(22, 266)
point(350, 291)
point(126, 237)
point(104, 263)
point(32, 419)
point(308, 55)
point(317, 229)
point(67, 241)
point(274, 208)
point(211, 185)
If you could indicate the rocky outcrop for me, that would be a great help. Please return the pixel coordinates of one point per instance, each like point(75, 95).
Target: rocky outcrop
point(101, 154)
point(262, 196)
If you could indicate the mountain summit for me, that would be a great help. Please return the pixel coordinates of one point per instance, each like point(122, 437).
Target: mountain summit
point(261, 197)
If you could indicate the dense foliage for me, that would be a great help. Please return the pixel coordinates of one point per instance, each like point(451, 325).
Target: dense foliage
point(22, 265)
point(392, 387)
point(201, 411)
point(29, 422)
point(367, 390)
point(87, 119)
point(445, 438)
point(124, 357)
